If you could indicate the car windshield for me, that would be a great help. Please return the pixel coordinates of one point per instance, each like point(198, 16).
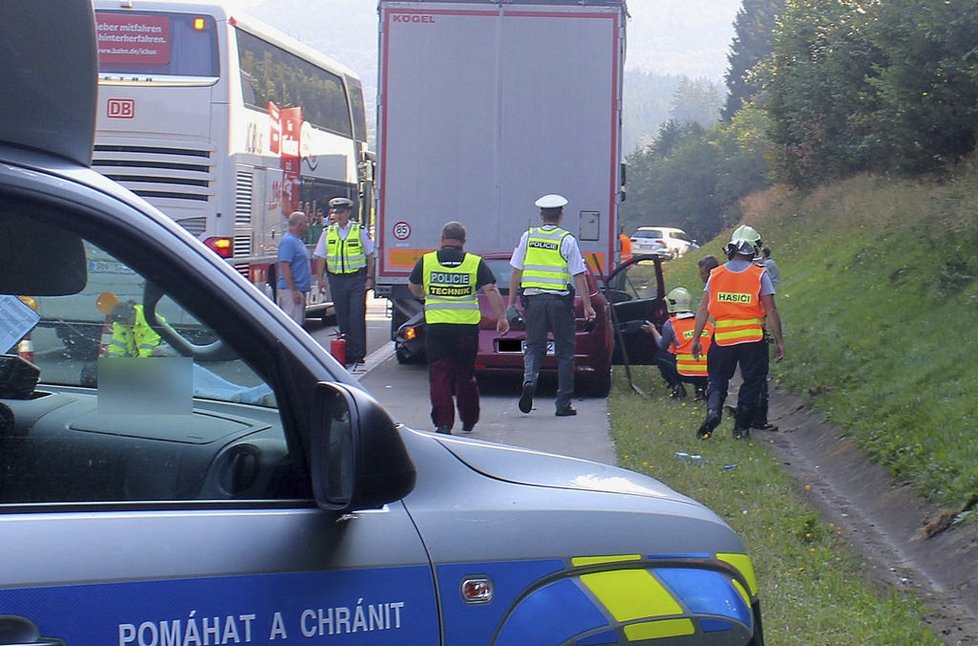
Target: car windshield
point(502, 270)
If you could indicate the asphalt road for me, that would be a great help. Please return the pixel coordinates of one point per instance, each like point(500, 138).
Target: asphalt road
point(403, 390)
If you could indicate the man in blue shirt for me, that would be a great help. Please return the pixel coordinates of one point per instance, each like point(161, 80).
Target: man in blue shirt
point(294, 270)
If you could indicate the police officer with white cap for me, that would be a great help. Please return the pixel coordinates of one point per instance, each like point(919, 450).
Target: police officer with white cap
point(349, 267)
point(547, 263)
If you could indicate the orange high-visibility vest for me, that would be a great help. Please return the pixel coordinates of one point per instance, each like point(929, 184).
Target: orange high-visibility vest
point(735, 305)
point(683, 328)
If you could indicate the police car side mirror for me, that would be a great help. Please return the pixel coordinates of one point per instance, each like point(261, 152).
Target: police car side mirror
point(357, 457)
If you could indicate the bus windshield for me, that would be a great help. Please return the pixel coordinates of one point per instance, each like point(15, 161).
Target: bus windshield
point(170, 44)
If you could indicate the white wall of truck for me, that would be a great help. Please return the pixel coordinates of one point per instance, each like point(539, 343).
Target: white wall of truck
point(485, 106)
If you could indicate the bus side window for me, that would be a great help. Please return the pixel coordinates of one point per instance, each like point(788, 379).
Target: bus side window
point(247, 89)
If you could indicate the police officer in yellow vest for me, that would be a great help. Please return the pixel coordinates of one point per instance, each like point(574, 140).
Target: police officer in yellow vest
point(449, 280)
point(738, 295)
point(547, 263)
point(132, 336)
point(349, 266)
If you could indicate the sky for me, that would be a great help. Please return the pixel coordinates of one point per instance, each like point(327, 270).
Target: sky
point(679, 37)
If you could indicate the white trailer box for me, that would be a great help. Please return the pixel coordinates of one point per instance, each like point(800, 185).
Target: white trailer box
point(484, 106)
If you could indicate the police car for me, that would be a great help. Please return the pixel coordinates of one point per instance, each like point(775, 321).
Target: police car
point(229, 483)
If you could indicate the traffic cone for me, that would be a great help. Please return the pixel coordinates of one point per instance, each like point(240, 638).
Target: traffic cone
point(25, 348)
point(106, 303)
point(106, 338)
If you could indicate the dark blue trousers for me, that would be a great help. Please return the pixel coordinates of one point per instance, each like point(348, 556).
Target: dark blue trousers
point(723, 360)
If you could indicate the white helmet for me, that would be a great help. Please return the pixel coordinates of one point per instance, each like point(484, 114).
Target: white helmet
point(678, 300)
point(744, 240)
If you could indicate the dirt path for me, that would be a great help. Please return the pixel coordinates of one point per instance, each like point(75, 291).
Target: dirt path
point(883, 520)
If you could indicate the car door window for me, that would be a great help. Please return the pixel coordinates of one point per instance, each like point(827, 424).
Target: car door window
point(116, 393)
point(636, 291)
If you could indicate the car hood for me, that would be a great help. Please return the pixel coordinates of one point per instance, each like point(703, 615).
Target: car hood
point(536, 468)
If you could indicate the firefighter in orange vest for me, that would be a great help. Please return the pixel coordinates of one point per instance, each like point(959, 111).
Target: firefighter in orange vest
point(674, 359)
point(738, 295)
point(625, 254)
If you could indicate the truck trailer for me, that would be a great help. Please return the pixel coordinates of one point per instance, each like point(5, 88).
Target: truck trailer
point(483, 106)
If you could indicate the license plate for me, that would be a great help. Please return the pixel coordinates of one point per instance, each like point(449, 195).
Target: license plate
point(550, 347)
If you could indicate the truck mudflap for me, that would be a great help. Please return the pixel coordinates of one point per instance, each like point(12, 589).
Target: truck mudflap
point(621, 599)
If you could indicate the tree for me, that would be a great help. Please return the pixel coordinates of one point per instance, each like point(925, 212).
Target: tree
point(647, 100)
point(817, 94)
point(753, 41)
point(696, 102)
point(864, 85)
point(742, 167)
point(693, 178)
point(928, 81)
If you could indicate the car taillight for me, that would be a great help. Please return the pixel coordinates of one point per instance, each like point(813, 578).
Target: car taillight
point(221, 246)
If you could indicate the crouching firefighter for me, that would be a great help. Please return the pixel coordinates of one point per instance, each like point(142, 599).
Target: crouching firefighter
point(673, 356)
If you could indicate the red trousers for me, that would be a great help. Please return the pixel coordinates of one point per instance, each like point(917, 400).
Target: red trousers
point(452, 373)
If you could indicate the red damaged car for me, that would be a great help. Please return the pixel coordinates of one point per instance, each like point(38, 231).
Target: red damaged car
point(635, 291)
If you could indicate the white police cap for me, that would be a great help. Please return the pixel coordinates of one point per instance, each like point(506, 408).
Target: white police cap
point(552, 201)
point(340, 203)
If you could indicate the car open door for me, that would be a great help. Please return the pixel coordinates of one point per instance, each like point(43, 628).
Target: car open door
point(636, 292)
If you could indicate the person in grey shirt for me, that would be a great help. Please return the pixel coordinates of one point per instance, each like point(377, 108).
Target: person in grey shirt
point(768, 263)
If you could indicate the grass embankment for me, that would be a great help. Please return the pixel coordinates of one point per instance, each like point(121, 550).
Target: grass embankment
point(810, 584)
point(878, 299)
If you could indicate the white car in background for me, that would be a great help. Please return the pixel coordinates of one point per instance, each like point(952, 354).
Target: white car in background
point(668, 242)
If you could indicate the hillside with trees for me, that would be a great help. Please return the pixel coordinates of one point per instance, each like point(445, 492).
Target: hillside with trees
point(818, 91)
point(854, 150)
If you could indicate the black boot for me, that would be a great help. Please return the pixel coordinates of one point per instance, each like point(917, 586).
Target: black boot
point(742, 421)
point(760, 418)
point(678, 391)
point(709, 424)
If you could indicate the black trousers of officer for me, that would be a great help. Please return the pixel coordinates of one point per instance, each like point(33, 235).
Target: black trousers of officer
point(349, 302)
point(722, 360)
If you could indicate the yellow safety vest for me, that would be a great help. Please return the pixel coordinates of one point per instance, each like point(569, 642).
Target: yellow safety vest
point(543, 266)
point(135, 340)
point(450, 292)
point(344, 256)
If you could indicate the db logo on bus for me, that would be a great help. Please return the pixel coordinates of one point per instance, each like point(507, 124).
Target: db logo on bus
point(120, 108)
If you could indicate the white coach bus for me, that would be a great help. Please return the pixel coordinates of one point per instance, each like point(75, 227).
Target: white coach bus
point(227, 126)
